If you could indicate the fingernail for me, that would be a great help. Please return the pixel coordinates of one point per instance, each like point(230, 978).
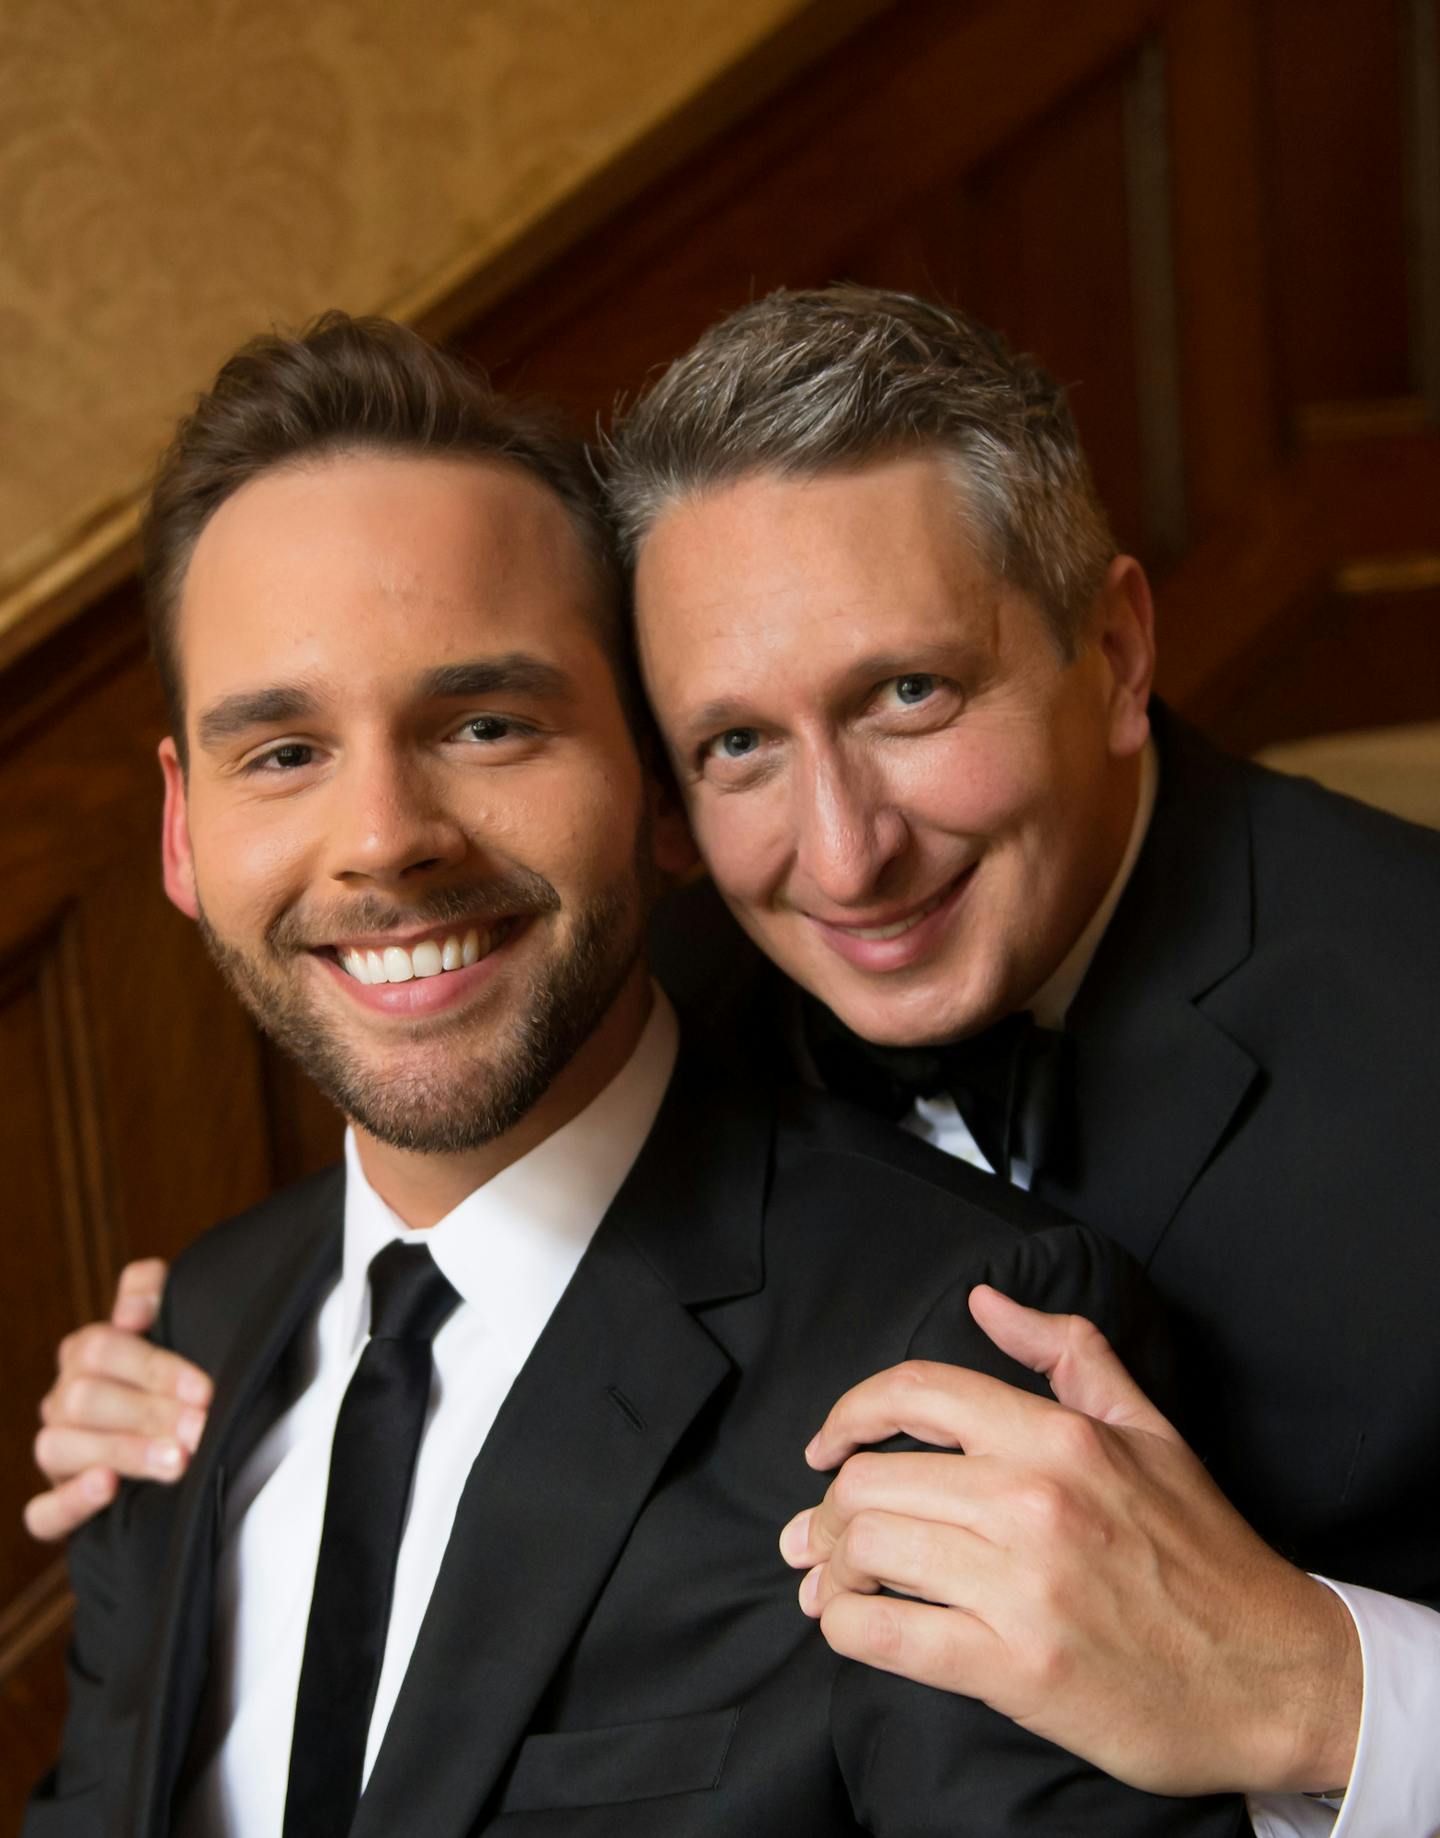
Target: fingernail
point(810, 1591)
point(163, 1459)
point(795, 1539)
point(812, 1450)
point(190, 1428)
point(193, 1388)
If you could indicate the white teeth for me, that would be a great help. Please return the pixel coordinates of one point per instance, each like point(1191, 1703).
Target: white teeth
point(396, 964)
point(900, 925)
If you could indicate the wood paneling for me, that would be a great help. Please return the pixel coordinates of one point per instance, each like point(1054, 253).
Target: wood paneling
point(1219, 220)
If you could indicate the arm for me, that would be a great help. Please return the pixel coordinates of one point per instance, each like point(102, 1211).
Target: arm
point(1114, 1601)
point(119, 1407)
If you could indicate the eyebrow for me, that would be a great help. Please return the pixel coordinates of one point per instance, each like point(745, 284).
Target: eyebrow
point(251, 708)
point(515, 673)
point(920, 660)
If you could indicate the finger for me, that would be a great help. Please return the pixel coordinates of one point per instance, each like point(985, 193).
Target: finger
point(53, 1515)
point(916, 1557)
point(137, 1295)
point(949, 1406)
point(115, 1353)
point(1084, 1371)
point(61, 1454)
point(84, 1402)
point(952, 1489)
point(934, 1646)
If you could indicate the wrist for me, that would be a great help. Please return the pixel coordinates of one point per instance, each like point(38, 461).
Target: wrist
point(1317, 1727)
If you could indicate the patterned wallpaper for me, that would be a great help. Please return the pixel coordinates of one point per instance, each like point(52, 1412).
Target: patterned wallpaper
point(175, 174)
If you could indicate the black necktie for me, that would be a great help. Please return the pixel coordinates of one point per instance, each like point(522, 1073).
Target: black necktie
point(1008, 1083)
point(372, 1461)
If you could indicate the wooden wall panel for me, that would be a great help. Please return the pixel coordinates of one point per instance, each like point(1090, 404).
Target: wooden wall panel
point(1334, 77)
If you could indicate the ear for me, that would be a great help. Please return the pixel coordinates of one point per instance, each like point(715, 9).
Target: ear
point(179, 864)
point(671, 844)
point(1126, 636)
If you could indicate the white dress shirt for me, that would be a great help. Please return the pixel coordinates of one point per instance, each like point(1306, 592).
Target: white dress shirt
point(1394, 1789)
point(510, 1248)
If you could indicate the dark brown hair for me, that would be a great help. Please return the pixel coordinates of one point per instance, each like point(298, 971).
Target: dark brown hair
point(341, 385)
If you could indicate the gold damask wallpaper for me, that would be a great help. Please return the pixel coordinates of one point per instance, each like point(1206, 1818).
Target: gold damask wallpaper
point(175, 174)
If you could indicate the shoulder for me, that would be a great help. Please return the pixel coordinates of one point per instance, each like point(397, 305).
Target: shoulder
point(227, 1263)
point(874, 1205)
point(1339, 864)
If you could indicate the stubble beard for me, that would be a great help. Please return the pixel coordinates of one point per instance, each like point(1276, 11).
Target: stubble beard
point(451, 1099)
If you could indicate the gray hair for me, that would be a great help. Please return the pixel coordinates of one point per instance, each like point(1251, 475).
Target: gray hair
point(799, 384)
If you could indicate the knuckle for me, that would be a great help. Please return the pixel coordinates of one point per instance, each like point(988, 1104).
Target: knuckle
point(76, 1400)
point(864, 1541)
point(85, 1348)
point(1044, 1504)
point(912, 1375)
point(1079, 1440)
point(853, 1485)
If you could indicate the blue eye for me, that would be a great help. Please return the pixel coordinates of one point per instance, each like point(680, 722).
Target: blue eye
point(735, 743)
point(912, 689)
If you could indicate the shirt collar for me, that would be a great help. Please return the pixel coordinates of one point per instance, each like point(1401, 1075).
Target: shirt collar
point(1054, 996)
point(512, 1245)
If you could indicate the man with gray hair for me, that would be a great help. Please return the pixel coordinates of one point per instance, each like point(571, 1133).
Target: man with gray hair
point(905, 682)
point(904, 678)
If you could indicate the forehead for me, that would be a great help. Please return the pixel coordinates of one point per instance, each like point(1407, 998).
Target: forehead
point(774, 581)
point(313, 570)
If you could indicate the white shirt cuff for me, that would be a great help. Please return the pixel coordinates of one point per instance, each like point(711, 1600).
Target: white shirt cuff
point(1394, 1788)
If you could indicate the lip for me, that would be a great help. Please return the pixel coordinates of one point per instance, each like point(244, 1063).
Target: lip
point(884, 955)
point(421, 996)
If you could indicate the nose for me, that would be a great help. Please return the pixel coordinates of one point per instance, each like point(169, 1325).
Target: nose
point(388, 823)
point(848, 829)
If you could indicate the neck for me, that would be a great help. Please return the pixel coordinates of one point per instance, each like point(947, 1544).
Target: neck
point(421, 1188)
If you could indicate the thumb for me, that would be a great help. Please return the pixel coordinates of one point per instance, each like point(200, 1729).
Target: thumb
point(1084, 1371)
point(137, 1296)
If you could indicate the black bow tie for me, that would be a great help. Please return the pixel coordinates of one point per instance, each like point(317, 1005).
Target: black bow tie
point(1008, 1083)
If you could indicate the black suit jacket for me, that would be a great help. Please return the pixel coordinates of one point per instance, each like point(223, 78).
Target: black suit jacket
point(612, 1645)
point(1257, 1087)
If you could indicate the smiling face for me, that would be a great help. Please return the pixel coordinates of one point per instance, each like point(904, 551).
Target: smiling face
point(908, 797)
point(413, 823)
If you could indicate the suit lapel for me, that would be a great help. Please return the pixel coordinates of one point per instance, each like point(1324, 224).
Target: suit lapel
point(1157, 1082)
point(615, 1380)
point(183, 1531)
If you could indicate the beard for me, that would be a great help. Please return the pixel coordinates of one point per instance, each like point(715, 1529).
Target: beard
point(457, 1082)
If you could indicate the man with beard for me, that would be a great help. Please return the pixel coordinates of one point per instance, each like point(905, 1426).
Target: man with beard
point(510, 1557)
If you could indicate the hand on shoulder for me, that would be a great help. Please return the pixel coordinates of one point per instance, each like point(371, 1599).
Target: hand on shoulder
point(119, 1407)
point(1076, 1569)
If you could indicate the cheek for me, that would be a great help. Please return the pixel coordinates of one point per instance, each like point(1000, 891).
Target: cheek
point(743, 839)
point(247, 867)
point(967, 783)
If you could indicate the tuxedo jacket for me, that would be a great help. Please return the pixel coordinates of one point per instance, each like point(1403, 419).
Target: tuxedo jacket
point(613, 1647)
point(1256, 1090)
